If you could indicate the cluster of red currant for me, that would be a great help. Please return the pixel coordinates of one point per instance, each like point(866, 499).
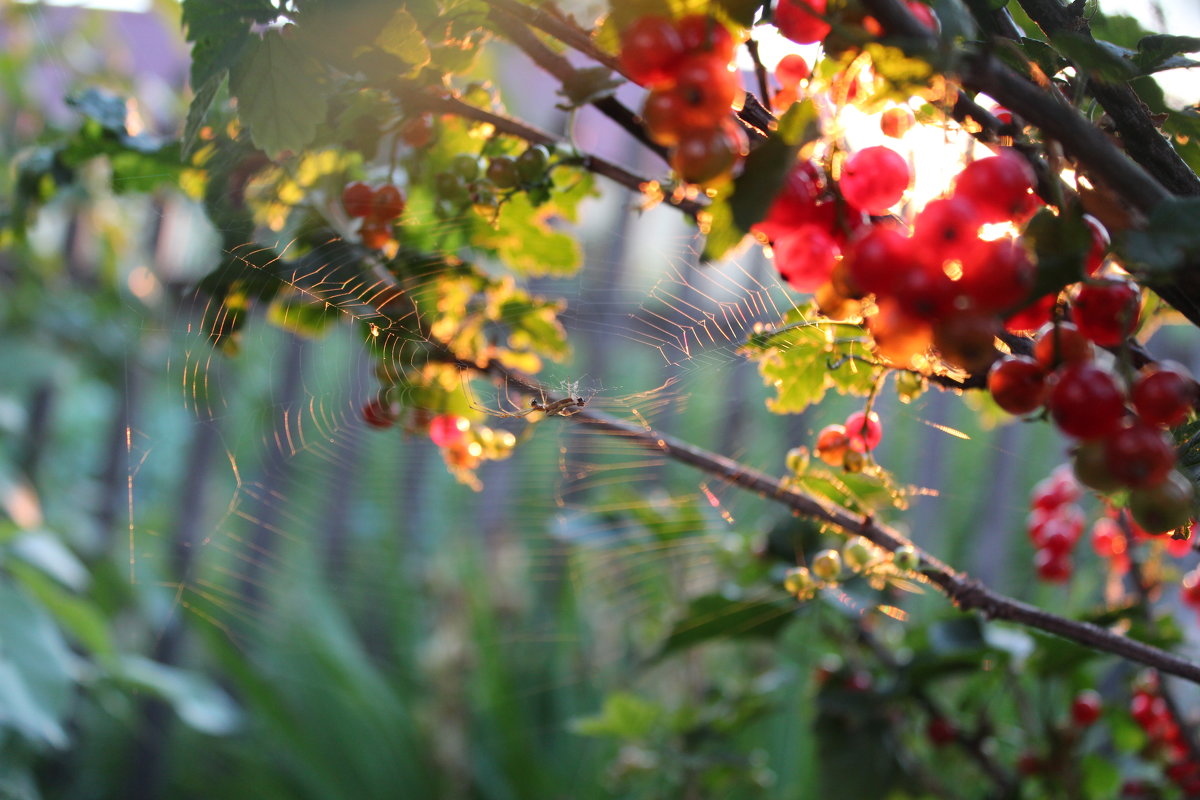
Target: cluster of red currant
point(1110, 543)
point(804, 21)
point(1152, 714)
point(846, 445)
point(377, 208)
point(1119, 448)
point(685, 64)
point(1055, 524)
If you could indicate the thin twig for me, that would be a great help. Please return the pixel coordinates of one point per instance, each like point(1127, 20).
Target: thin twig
point(760, 71)
point(567, 75)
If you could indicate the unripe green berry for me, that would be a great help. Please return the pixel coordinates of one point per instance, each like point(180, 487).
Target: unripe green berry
point(465, 166)
point(853, 461)
point(502, 171)
point(532, 163)
point(799, 581)
point(797, 460)
point(827, 565)
point(906, 558)
point(858, 554)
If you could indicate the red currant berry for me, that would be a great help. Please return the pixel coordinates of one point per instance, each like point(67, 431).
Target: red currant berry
point(899, 336)
point(877, 258)
point(375, 234)
point(1033, 316)
point(357, 199)
point(800, 20)
point(1056, 490)
point(418, 131)
point(706, 90)
point(707, 156)
point(1164, 396)
point(388, 203)
point(832, 444)
point(805, 257)
point(1086, 708)
point(660, 116)
point(1108, 540)
point(1189, 589)
point(1061, 345)
point(1017, 384)
point(925, 293)
point(895, 122)
point(967, 340)
point(1100, 243)
point(797, 203)
point(998, 186)
point(1139, 455)
point(447, 429)
point(941, 731)
point(650, 51)
point(1000, 276)
point(1107, 311)
point(377, 414)
point(947, 229)
point(790, 70)
point(864, 431)
point(875, 179)
point(1086, 402)
point(701, 33)
point(1052, 567)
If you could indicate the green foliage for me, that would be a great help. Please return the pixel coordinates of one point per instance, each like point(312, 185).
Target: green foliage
point(280, 90)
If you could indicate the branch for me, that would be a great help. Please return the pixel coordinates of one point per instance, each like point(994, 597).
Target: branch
point(567, 75)
point(1140, 136)
point(513, 127)
point(550, 20)
point(967, 593)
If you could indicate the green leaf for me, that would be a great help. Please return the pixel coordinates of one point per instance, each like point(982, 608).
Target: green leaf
point(1162, 51)
point(220, 29)
point(198, 111)
point(624, 716)
point(280, 91)
point(402, 38)
point(1060, 244)
point(199, 702)
point(81, 618)
point(1098, 58)
point(715, 616)
point(524, 240)
point(46, 551)
point(588, 85)
point(740, 11)
point(1170, 239)
point(1101, 777)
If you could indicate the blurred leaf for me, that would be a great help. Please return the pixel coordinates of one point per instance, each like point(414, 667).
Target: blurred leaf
point(47, 552)
point(77, 615)
point(403, 38)
point(1060, 243)
point(623, 716)
point(715, 616)
point(280, 91)
point(740, 11)
point(299, 314)
point(36, 670)
point(1162, 51)
point(1101, 777)
point(1169, 240)
point(588, 85)
point(220, 29)
point(956, 634)
point(199, 702)
point(198, 110)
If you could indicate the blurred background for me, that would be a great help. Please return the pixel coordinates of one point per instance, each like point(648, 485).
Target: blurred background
point(217, 581)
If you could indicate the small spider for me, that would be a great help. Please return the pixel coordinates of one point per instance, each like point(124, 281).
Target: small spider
point(564, 407)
